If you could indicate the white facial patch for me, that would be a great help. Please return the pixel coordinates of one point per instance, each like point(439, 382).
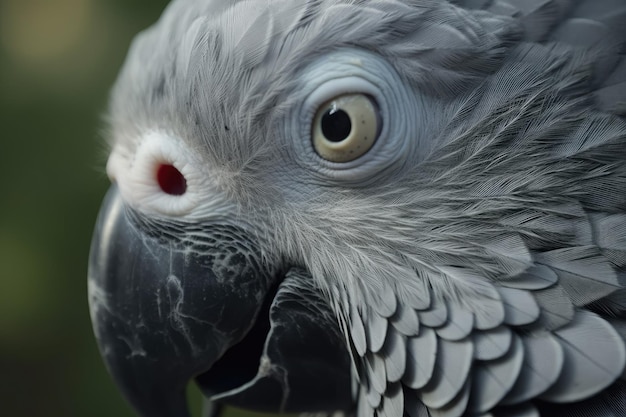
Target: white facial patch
point(158, 177)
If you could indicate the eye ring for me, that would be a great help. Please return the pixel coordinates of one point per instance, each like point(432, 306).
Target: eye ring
point(346, 127)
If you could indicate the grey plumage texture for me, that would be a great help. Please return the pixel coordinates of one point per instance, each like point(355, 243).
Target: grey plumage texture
point(476, 256)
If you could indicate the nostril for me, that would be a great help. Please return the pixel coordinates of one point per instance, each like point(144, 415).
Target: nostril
point(171, 180)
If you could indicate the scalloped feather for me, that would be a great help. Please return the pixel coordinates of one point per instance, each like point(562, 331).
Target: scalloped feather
point(456, 407)
point(357, 331)
point(520, 307)
point(581, 31)
point(394, 354)
point(377, 375)
point(492, 380)
point(414, 293)
point(595, 357)
point(405, 320)
point(375, 331)
point(421, 358)
point(385, 301)
point(543, 362)
point(493, 343)
point(557, 309)
point(436, 316)
point(452, 367)
point(536, 277)
point(459, 325)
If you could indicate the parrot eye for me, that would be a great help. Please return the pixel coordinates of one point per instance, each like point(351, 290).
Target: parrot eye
point(346, 127)
point(171, 180)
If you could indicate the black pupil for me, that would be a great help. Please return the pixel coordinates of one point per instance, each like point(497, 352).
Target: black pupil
point(336, 125)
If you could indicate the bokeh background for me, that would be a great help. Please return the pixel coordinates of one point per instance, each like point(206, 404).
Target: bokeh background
point(58, 59)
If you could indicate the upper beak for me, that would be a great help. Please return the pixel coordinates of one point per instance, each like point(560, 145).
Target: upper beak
point(163, 313)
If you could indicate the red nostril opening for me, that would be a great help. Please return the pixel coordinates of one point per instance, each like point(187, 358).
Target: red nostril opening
point(171, 180)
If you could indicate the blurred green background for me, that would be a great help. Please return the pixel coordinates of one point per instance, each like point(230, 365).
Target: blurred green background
point(58, 59)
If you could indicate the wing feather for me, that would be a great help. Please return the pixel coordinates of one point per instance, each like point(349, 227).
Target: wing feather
point(405, 320)
point(492, 380)
point(460, 324)
point(520, 307)
point(421, 358)
point(456, 407)
point(543, 363)
point(376, 331)
point(493, 343)
point(594, 358)
point(394, 353)
point(452, 367)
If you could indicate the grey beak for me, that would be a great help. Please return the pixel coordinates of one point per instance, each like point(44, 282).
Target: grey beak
point(163, 313)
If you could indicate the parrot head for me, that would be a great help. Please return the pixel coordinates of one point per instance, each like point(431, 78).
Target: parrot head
point(325, 205)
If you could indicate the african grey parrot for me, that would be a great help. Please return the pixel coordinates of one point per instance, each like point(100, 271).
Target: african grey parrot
point(379, 207)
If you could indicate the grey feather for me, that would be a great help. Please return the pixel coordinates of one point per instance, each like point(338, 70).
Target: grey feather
point(473, 4)
point(583, 273)
point(511, 252)
point(487, 309)
point(616, 76)
point(611, 403)
point(405, 320)
point(492, 380)
point(579, 31)
point(612, 305)
point(422, 354)
point(376, 331)
point(492, 344)
point(452, 367)
point(520, 307)
point(542, 366)
point(260, 26)
point(393, 402)
point(556, 307)
point(536, 277)
point(459, 325)
point(376, 372)
point(595, 357)
point(457, 407)
point(394, 353)
point(436, 316)
point(357, 332)
point(416, 295)
point(550, 227)
point(385, 301)
point(374, 398)
point(599, 132)
point(503, 8)
point(597, 9)
point(611, 98)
